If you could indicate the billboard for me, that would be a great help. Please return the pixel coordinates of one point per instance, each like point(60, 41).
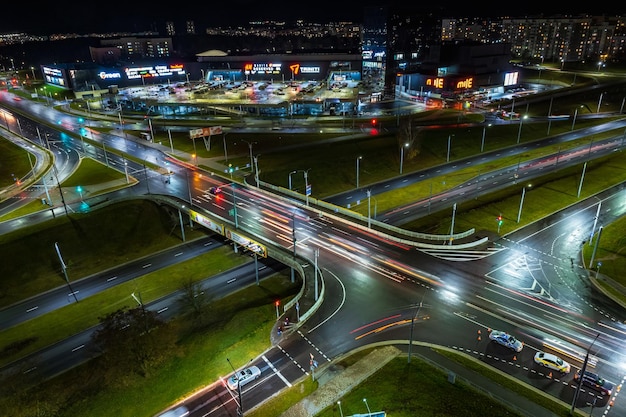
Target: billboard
point(205, 131)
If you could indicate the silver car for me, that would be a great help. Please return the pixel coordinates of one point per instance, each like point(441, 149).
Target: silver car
point(241, 378)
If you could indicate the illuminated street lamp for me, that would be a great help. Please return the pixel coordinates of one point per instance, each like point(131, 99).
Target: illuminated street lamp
point(369, 412)
point(292, 172)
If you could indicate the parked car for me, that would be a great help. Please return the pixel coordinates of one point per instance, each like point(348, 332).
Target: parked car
point(241, 378)
point(553, 362)
point(506, 340)
point(595, 382)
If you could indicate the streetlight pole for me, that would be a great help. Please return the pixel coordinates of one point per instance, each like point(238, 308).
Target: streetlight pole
point(340, 410)
point(595, 221)
point(599, 102)
point(449, 143)
point(251, 158)
point(119, 113)
point(582, 373)
point(225, 151)
point(369, 209)
point(595, 248)
point(574, 120)
point(482, 142)
point(519, 132)
point(64, 267)
point(256, 170)
point(306, 185)
point(232, 188)
point(357, 170)
point(417, 311)
point(402, 156)
point(292, 172)
point(452, 224)
point(369, 412)
point(240, 404)
point(519, 214)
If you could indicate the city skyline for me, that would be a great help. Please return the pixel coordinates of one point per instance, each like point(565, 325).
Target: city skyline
point(77, 18)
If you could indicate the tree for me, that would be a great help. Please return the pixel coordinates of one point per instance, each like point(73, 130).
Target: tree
point(406, 133)
point(195, 302)
point(133, 340)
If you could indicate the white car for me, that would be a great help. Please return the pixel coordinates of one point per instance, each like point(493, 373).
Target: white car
point(241, 378)
point(506, 340)
point(552, 362)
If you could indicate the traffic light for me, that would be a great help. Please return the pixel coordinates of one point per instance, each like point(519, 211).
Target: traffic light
point(374, 129)
point(499, 219)
point(277, 303)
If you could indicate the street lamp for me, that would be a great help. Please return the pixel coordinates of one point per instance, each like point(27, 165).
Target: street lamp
point(225, 151)
point(449, 143)
point(519, 132)
point(119, 113)
point(599, 102)
point(582, 373)
point(340, 410)
point(369, 209)
point(482, 142)
point(250, 147)
point(292, 172)
point(240, 403)
point(256, 170)
point(357, 170)
point(599, 65)
point(521, 203)
point(369, 412)
point(402, 155)
point(306, 185)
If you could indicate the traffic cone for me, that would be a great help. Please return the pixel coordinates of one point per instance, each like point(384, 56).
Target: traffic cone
point(550, 375)
point(514, 358)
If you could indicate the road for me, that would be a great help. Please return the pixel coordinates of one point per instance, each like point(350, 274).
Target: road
point(446, 300)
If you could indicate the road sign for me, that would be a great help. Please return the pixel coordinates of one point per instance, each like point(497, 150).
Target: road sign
point(308, 189)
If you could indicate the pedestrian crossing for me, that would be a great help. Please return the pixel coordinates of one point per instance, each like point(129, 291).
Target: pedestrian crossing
point(460, 255)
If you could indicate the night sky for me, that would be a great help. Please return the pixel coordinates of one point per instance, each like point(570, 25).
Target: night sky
point(78, 16)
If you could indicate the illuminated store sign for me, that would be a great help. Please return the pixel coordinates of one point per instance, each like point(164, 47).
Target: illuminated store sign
point(511, 78)
point(109, 75)
point(133, 73)
point(466, 83)
point(435, 82)
point(53, 72)
point(262, 68)
point(310, 70)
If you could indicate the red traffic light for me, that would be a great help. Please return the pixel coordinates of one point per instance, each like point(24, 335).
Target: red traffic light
point(373, 122)
point(277, 303)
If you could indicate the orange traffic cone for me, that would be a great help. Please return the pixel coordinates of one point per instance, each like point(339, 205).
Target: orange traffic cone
point(514, 358)
point(550, 375)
